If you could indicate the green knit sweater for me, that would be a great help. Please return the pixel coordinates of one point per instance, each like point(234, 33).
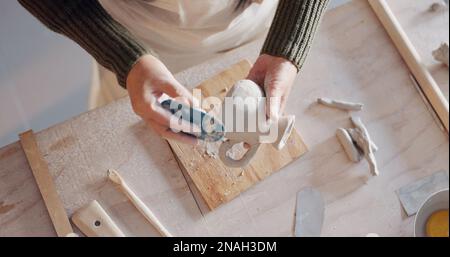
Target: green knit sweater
point(114, 47)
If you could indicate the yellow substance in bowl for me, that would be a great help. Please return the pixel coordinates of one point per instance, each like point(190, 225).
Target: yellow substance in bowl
point(437, 224)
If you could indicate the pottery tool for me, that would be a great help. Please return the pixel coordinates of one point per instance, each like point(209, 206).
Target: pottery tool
point(412, 58)
point(93, 221)
point(137, 202)
point(46, 185)
point(413, 195)
point(309, 213)
point(210, 128)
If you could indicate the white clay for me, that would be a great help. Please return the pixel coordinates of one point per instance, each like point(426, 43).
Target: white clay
point(211, 148)
point(253, 139)
point(358, 139)
point(365, 145)
point(438, 6)
point(441, 54)
point(338, 104)
point(348, 145)
point(237, 151)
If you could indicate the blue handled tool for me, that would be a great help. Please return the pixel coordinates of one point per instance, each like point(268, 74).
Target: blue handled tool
point(211, 129)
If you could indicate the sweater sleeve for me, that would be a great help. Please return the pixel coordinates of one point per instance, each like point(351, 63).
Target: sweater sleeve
point(89, 25)
point(293, 29)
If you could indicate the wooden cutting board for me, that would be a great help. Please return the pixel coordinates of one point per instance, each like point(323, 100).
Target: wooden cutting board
point(216, 182)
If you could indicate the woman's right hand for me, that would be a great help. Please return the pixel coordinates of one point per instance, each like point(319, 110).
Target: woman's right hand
point(146, 82)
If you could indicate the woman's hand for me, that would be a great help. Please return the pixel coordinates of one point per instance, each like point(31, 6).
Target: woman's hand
point(146, 82)
point(276, 75)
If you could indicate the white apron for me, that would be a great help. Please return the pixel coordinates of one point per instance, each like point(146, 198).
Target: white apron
point(183, 33)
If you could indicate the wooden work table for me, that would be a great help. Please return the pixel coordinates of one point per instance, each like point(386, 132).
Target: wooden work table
point(352, 59)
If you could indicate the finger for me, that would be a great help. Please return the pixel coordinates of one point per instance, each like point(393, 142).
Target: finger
point(256, 74)
point(258, 71)
point(169, 134)
point(178, 92)
point(273, 107)
point(284, 99)
point(274, 98)
point(164, 118)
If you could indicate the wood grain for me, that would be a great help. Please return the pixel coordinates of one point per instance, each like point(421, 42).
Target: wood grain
point(426, 30)
point(45, 183)
point(217, 183)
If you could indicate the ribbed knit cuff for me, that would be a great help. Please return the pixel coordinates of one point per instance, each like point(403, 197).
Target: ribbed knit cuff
point(88, 24)
point(293, 29)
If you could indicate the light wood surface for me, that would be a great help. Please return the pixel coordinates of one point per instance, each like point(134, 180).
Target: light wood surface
point(413, 59)
point(217, 183)
point(45, 183)
point(352, 59)
point(93, 221)
point(426, 30)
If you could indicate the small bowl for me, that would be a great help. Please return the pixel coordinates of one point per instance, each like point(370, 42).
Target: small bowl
point(436, 202)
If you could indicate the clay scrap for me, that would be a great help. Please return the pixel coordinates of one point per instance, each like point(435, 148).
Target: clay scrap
point(210, 149)
point(349, 145)
point(338, 104)
point(441, 54)
point(438, 6)
point(358, 144)
point(365, 144)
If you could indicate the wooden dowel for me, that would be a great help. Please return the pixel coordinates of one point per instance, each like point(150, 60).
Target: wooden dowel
point(412, 58)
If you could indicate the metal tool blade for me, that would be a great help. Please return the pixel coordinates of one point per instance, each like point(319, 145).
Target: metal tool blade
point(309, 213)
point(414, 194)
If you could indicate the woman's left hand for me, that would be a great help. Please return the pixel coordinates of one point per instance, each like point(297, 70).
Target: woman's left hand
point(276, 75)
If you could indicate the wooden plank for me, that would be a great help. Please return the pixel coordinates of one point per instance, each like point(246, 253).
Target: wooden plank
point(217, 183)
point(414, 61)
point(45, 183)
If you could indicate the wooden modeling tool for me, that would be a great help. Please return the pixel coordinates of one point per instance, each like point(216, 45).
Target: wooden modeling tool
point(93, 221)
point(45, 184)
point(143, 209)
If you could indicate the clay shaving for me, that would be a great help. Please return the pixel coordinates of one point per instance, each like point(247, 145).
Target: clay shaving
point(358, 144)
point(441, 54)
point(349, 146)
point(210, 149)
point(237, 151)
point(365, 142)
point(438, 6)
point(338, 104)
